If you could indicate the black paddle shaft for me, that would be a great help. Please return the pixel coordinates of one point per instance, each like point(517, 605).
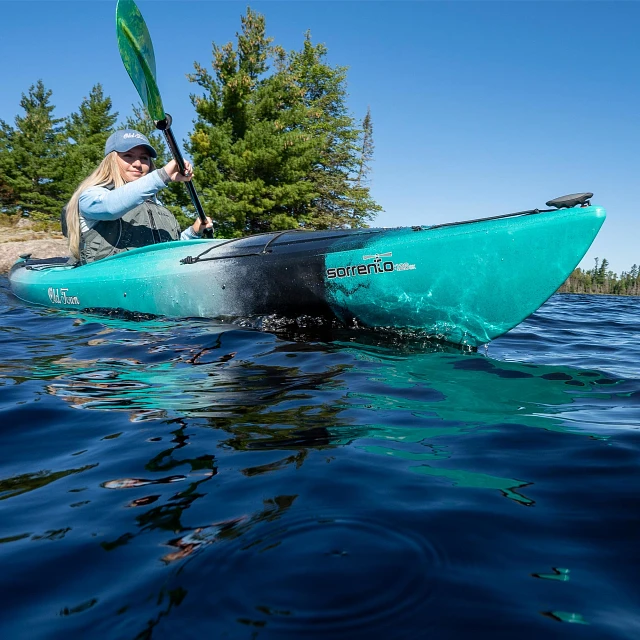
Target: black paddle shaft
point(165, 127)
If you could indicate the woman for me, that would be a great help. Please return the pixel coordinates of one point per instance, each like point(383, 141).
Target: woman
point(116, 209)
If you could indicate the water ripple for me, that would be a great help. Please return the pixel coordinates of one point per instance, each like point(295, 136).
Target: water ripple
point(343, 577)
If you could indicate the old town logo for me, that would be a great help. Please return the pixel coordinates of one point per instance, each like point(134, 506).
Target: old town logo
point(378, 265)
point(60, 296)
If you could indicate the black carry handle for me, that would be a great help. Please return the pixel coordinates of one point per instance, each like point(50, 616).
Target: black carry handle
point(165, 127)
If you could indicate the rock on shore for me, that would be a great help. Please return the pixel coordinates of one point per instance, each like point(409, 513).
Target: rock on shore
point(15, 242)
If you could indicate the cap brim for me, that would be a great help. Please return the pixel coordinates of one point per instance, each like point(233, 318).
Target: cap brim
point(152, 151)
point(133, 144)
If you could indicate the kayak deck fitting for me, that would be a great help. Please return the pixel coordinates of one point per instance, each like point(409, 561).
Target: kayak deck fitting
point(465, 283)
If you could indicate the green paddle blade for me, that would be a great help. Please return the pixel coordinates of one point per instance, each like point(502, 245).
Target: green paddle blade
point(136, 51)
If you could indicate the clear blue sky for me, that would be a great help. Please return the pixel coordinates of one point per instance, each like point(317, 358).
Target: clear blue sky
point(479, 108)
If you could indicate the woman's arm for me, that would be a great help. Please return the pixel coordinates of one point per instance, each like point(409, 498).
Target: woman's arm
point(99, 203)
point(195, 230)
point(189, 234)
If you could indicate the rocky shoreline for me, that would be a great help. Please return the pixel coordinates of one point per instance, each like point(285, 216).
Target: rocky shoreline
point(16, 241)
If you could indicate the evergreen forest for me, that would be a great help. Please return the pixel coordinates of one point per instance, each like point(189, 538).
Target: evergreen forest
point(601, 279)
point(273, 144)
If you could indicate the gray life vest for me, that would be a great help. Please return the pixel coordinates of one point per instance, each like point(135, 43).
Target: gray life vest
point(148, 223)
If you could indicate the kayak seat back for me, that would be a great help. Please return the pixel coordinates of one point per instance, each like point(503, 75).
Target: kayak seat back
point(570, 201)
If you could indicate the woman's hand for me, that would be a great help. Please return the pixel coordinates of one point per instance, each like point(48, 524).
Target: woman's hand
point(174, 172)
point(197, 225)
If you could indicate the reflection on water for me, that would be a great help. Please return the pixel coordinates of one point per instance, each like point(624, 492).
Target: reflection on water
point(403, 406)
point(190, 478)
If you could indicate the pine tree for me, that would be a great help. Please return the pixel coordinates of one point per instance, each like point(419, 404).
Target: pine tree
point(364, 205)
point(87, 130)
point(31, 158)
point(8, 196)
point(339, 173)
point(238, 146)
point(366, 150)
point(273, 146)
point(602, 272)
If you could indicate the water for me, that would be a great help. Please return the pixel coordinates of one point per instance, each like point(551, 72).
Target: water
point(163, 479)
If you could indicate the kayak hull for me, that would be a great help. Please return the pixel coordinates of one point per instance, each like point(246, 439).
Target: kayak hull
point(465, 283)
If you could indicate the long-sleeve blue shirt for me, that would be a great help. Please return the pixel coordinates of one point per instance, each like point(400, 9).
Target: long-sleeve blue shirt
point(100, 203)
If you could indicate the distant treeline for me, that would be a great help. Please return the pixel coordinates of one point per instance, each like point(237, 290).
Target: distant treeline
point(601, 280)
point(273, 144)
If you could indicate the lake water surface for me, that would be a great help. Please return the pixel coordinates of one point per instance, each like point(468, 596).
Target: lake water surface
point(164, 479)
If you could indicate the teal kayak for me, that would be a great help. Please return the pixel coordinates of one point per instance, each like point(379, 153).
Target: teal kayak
point(465, 283)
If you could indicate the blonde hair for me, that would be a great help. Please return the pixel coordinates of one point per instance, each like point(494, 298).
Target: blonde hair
point(107, 174)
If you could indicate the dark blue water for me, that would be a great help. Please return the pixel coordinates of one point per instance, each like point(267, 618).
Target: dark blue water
point(192, 479)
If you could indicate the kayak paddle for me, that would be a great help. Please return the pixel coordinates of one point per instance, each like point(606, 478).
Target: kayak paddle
point(136, 51)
